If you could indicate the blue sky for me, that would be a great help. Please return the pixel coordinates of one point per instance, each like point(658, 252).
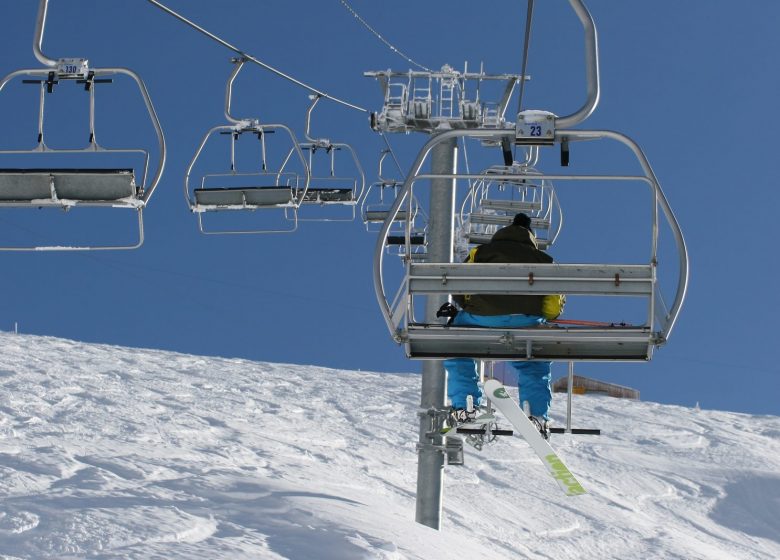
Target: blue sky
point(691, 82)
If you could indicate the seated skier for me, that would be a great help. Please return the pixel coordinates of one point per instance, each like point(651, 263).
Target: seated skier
point(513, 244)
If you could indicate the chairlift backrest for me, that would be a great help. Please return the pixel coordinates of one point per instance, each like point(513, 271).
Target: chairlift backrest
point(492, 204)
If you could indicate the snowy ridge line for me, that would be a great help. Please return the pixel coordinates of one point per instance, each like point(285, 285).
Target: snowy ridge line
point(112, 452)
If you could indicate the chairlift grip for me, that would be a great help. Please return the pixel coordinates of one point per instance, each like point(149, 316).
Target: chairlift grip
point(507, 151)
point(50, 82)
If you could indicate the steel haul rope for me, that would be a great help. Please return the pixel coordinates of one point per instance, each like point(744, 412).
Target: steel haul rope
point(379, 36)
point(257, 61)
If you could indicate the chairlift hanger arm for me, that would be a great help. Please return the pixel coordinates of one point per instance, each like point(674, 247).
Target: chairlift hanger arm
point(251, 58)
point(526, 48)
point(238, 65)
point(392, 153)
point(591, 68)
point(380, 174)
point(508, 91)
point(40, 24)
point(318, 142)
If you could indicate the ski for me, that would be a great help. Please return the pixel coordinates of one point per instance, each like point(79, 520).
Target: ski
point(514, 414)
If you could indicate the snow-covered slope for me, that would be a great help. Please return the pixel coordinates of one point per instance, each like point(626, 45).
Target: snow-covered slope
point(110, 452)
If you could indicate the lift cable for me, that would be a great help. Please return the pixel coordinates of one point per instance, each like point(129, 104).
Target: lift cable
point(255, 60)
point(379, 36)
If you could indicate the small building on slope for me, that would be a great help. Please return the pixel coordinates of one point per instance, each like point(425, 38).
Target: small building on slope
point(584, 385)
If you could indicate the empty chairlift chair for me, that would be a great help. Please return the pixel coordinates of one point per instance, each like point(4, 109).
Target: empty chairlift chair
point(492, 204)
point(262, 187)
point(375, 209)
point(331, 197)
point(550, 342)
point(80, 184)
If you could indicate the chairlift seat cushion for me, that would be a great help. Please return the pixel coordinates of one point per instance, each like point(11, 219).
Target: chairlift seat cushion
point(547, 343)
point(324, 194)
point(381, 215)
point(240, 197)
point(88, 185)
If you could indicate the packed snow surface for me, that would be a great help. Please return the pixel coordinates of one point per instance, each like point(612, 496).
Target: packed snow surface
point(120, 453)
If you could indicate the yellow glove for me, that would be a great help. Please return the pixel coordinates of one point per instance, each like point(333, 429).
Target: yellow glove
point(552, 306)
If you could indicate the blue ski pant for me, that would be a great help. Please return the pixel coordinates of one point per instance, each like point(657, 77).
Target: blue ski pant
point(533, 378)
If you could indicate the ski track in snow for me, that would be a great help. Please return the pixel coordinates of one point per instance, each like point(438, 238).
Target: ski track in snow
point(118, 453)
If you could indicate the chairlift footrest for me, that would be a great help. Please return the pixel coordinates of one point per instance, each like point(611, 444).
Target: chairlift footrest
point(483, 431)
point(577, 431)
point(401, 240)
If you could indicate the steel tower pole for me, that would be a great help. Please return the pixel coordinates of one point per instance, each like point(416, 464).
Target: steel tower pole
point(430, 455)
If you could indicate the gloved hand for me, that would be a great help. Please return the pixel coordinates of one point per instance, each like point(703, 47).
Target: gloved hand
point(447, 310)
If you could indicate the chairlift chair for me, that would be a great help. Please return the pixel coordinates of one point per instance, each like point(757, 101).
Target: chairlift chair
point(375, 209)
point(425, 340)
point(328, 191)
point(379, 198)
point(492, 204)
point(79, 185)
point(260, 189)
point(410, 240)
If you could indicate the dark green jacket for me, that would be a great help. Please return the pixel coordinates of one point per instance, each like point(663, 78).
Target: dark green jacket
point(512, 244)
